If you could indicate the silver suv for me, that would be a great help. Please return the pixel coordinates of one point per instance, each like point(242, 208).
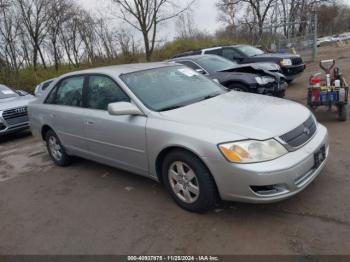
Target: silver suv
point(168, 122)
point(13, 110)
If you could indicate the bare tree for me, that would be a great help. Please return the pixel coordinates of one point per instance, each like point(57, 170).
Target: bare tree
point(185, 25)
point(106, 38)
point(35, 17)
point(9, 31)
point(4, 3)
point(60, 12)
point(260, 9)
point(146, 15)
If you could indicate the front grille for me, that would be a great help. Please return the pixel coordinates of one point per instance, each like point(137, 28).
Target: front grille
point(301, 134)
point(297, 61)
point(16, 116)
point(2, 126)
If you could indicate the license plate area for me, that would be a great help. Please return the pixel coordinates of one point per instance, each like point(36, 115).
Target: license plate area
point(320, 156)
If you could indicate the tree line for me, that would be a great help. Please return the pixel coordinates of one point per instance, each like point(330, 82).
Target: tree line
point(252, 19)
point(51, 33)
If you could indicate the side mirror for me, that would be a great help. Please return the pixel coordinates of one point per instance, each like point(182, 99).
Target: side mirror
point(201, 71)
point(124, 109)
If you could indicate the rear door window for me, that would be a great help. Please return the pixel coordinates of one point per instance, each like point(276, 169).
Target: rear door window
point(69, 92)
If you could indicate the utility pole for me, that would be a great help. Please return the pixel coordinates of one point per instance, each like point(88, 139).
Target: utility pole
point(314, 48)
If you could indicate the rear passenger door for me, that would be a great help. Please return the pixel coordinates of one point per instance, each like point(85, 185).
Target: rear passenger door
point(115, 140)
point(64, 112)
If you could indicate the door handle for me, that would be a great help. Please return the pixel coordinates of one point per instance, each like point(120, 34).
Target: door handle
point(52, 115)
point(89, 122)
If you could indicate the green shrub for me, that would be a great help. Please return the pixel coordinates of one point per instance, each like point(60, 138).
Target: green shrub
point(26, 78)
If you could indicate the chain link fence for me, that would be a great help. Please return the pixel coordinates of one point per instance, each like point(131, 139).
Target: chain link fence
point(294, 37)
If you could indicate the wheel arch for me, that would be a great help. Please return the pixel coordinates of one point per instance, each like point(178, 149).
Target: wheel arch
point(162, 154)
point(44, 131)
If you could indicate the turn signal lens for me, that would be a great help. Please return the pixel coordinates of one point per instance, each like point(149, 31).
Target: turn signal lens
point(252, 151)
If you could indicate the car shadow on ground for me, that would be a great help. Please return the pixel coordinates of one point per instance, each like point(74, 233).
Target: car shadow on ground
point(15, 137)
point(156, 192)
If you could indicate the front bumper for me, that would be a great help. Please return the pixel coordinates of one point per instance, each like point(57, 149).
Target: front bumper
point(274, 89)
point(289, 174)
point(293, 72)
point(6, 128)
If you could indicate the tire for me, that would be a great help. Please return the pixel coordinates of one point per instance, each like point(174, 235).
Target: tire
point(196, 190)
point(56, 150)
point(281, 94)
point(290, 81)
point(343, 112)
point(238, 87)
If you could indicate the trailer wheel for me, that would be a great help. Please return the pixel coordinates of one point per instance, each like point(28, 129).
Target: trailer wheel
point(343, 112)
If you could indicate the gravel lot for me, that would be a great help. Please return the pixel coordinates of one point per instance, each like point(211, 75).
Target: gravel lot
point(89, 208)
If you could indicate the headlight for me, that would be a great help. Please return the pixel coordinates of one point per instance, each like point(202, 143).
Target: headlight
point(263, 80)
point(278, 68)
point(252, 151)
point(286, 62)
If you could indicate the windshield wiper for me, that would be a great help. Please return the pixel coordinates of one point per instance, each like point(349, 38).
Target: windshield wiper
point(170, 108)
point(179, 106)
point(210, 96)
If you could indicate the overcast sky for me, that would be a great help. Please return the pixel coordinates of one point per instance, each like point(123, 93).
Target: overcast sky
point(205, 14)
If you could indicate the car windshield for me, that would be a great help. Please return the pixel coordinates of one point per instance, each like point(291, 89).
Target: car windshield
point(168, 88)
point(6, 92)
point(250, 50)
point(214, 64)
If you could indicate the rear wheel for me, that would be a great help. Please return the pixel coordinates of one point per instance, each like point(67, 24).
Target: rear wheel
point(189, 182)
point(56, 150)
point(343, 112)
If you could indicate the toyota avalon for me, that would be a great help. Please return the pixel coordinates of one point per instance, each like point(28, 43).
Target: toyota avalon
point(172, 124)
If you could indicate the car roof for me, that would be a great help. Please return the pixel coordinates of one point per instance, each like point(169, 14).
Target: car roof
point(121, 69)
point(190, 53)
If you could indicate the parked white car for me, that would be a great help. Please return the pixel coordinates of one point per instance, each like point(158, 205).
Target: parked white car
point(40, 89)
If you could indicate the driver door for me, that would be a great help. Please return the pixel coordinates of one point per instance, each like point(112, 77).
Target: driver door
point(119, 141)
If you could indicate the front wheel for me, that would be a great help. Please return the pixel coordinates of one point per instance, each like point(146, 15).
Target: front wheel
point(189, 182)
point(343, 112)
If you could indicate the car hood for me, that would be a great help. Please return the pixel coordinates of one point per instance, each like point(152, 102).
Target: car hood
point(14, 102)
point(261, 65)
point(255, 69)
point(247, 115)
point(277, 55)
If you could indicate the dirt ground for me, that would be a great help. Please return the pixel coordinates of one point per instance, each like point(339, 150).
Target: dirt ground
point(89, 208)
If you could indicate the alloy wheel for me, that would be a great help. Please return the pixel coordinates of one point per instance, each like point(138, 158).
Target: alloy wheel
point(55, 148)
point(183, 182)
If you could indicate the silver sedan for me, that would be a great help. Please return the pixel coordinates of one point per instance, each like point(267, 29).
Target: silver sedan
point(172, 124)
